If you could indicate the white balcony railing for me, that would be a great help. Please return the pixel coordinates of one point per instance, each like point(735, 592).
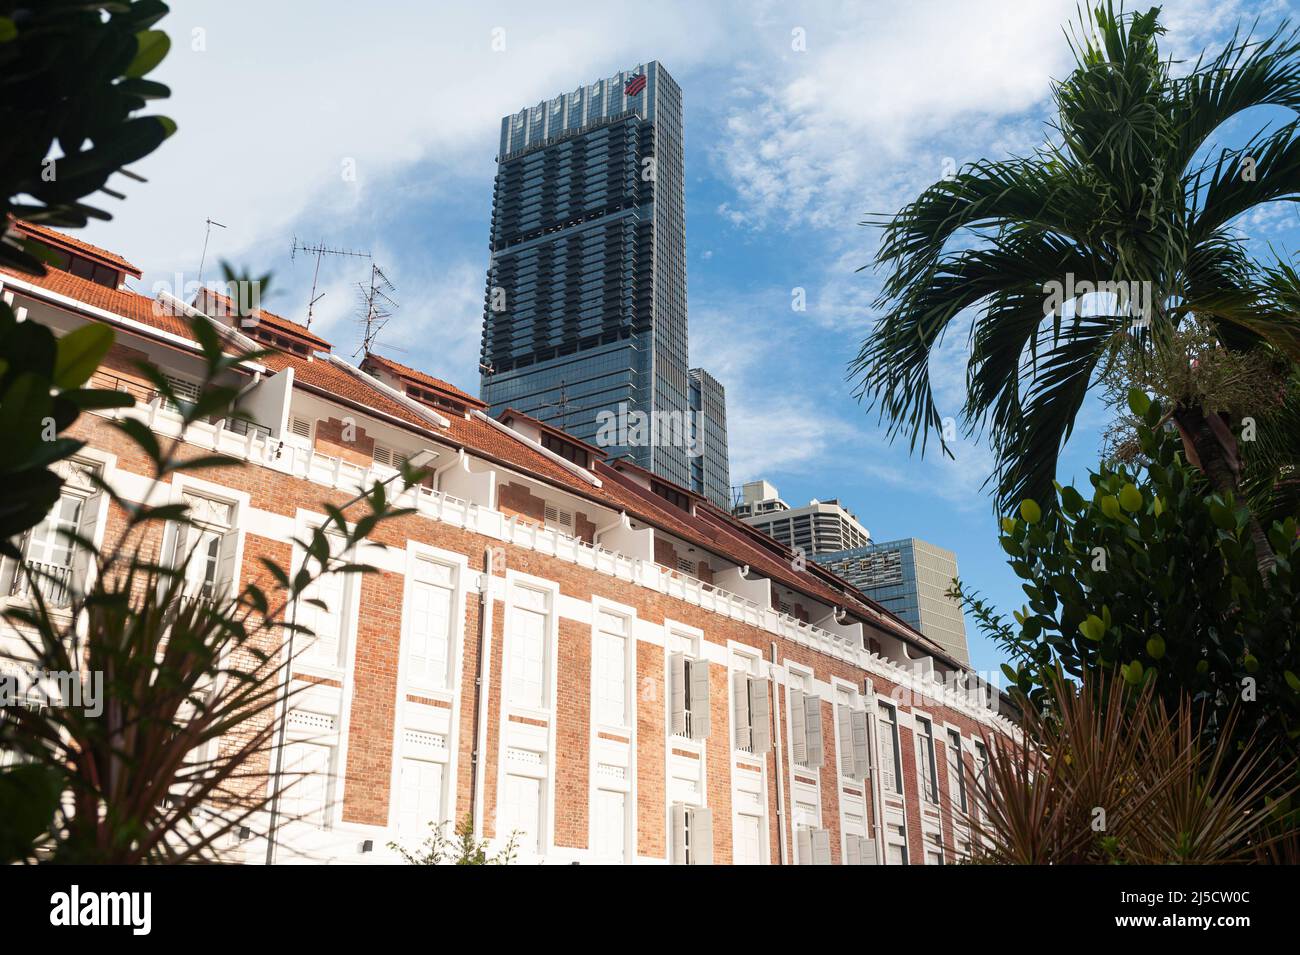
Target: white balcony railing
point(51, 580)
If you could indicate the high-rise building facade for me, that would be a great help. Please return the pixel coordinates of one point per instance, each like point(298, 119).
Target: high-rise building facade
point(585, 306)
point(818, 527)
point(911, 578)
point(710, 468)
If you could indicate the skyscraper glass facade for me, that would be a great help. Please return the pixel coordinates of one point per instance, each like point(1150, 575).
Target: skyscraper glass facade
point(585, 306)
point(710, 467)
point(911, 578)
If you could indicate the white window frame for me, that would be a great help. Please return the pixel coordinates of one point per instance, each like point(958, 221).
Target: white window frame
point(923, 743)
point(960, 799)
point(93, 517)
point(232, 547)
point(601, 607)
point(895, 771)
point(457, 564)
point(312, 663)
point(613, 743)
point(550, 634)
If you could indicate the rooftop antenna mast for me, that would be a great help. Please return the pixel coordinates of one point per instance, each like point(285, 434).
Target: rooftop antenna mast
point(562, 405)
point(207, 234)
point(379, 305)
point(320, 251)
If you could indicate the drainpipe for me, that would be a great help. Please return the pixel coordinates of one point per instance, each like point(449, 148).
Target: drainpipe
point(481, 696)
point(436, 474)
point(873, 760)
point(618, 521)
point(780, 762)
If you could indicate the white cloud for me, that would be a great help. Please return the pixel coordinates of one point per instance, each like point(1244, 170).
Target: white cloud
point(282, 95)
point(825, 135)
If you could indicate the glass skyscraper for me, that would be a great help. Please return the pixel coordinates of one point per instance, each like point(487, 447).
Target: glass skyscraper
point(585, 306)
point(911, 578)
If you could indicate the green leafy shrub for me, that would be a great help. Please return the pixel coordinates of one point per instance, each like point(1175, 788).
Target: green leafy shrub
point(1153, 576)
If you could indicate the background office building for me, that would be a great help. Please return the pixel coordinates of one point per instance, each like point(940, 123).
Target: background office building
point(911, 578)
point(820, 527)
point(585, 306)
point(710, 469)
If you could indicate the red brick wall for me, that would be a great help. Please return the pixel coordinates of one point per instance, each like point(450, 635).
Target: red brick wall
point(717, 764)
point(374, 700)
point(332, 438)
point(572, 734)
point(650, 758)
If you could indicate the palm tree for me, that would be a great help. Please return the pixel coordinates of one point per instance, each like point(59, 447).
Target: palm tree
point(1132, 201)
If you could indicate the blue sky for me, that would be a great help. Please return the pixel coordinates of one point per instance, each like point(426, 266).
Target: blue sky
point(787, 150)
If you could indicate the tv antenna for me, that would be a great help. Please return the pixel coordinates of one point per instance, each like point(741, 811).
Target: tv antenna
point(378, 306)
point(562, 405)
point(207, 234)
point(320, 251)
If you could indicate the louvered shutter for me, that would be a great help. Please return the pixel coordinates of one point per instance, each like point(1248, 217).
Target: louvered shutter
point(740, 710)
point(174, 550)
point(803, 848)
point(888, 756)
point(679, 834)
point(760, 716)
point(813, 730)
point(699, 676)
point(861, 752)
point(845, 741)
point(81, 555)
point(821, 847)
point(868, 851)
point(677, 693)
point(852, 850)
point(701, 836)
point(922, 787)
point(226, 567)
point(799, 744)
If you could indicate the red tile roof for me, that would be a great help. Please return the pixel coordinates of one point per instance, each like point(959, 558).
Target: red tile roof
point(512, 413)
point(301, 332)
point(62, 239)
point(124, 302)
point(415, 376)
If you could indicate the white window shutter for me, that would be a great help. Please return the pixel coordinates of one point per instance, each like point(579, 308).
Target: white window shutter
point(226, 569)
point(845, 727)
point(888, 742)
point(861, 752)
point(180, 547)
point(799, 743)
point(699, 676)
point(852, 850)
point(81, 556)
point(760, 716)
point(740, 710)
point(679, 834)
point(803, 846)
point(677, 693)
point(921, 787)
point(813, 730)
point(868, 851)
point(701, 836)
point(821, 847)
